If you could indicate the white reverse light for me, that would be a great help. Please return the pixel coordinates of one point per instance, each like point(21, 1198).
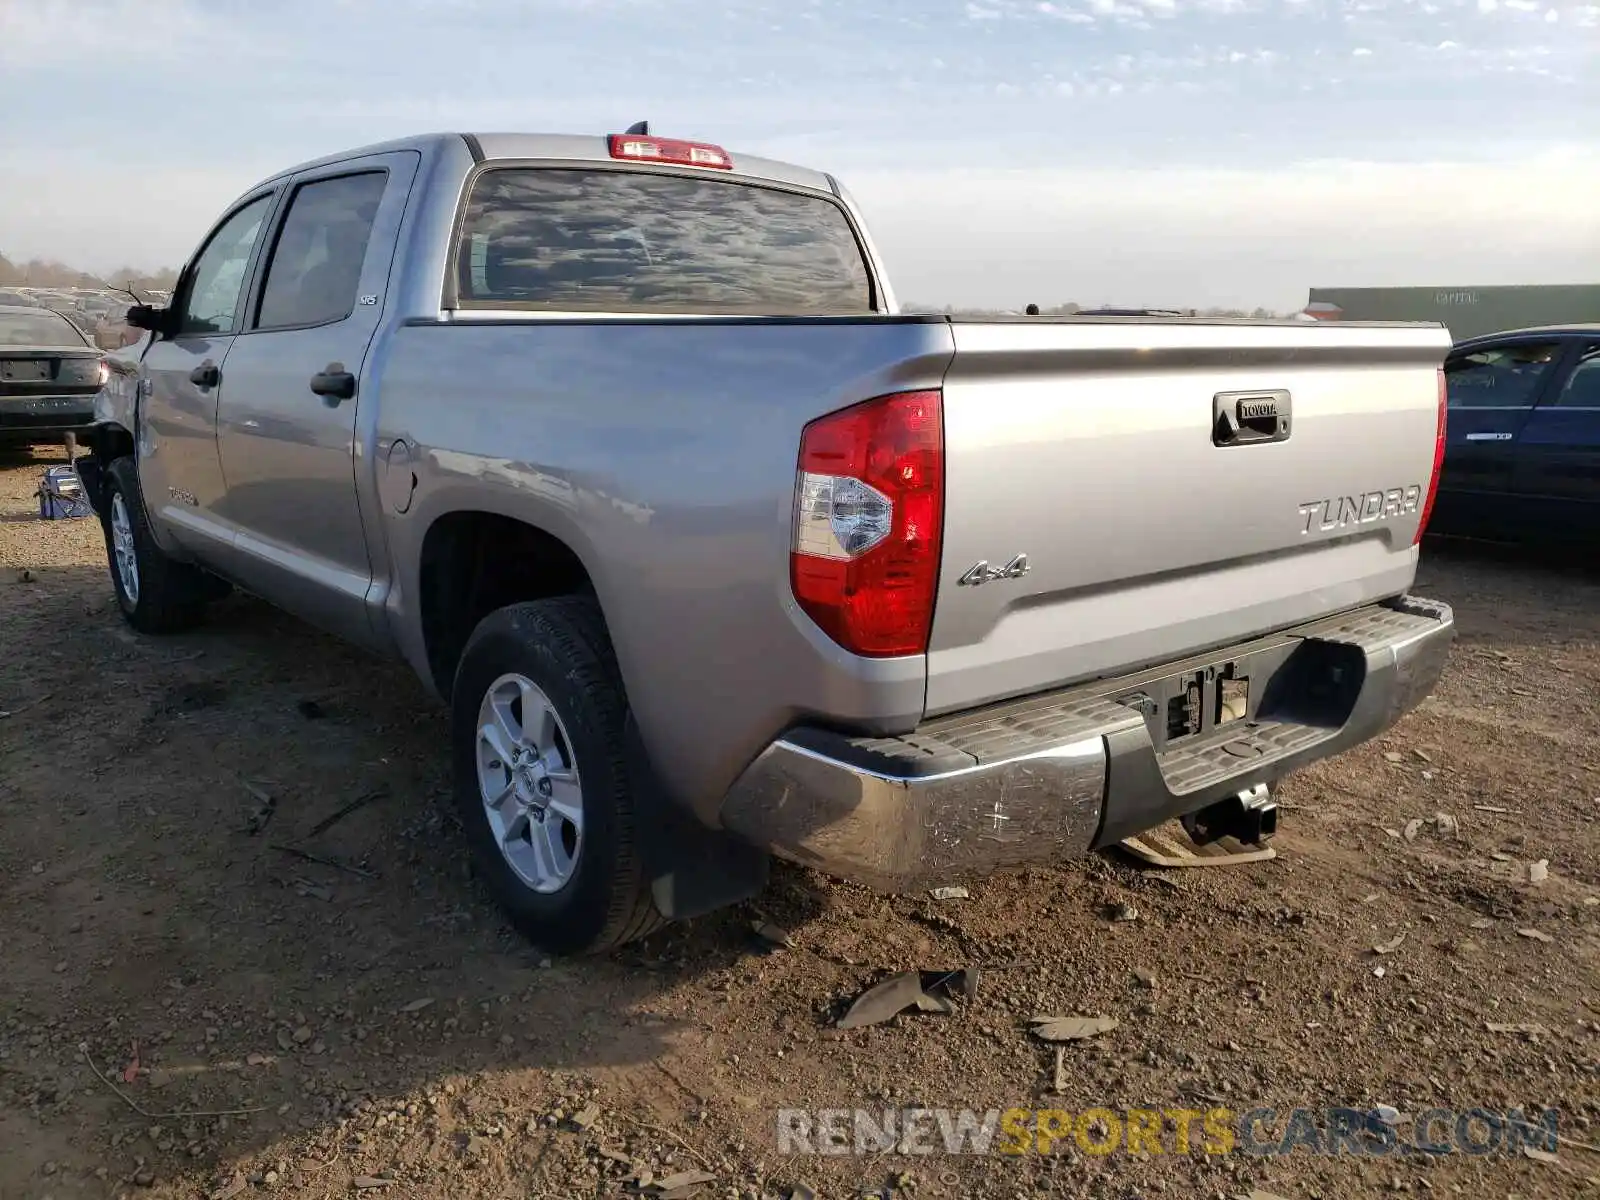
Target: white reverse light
point(839, 517)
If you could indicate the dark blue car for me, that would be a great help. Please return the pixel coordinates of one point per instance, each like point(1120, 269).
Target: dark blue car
point(1522, 458)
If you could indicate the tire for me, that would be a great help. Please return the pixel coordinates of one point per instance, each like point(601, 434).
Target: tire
point(583, 890)
point(162, 594)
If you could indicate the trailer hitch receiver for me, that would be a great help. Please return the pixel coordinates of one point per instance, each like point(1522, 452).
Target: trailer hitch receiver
point(1251, 817)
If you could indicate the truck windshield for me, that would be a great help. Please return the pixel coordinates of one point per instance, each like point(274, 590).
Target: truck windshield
point(567, 240)
point(38, 327)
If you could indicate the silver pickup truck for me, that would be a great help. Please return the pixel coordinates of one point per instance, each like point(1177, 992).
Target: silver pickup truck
point(624, 445)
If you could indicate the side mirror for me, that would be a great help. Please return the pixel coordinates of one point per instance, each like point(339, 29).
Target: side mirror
point(149, 318)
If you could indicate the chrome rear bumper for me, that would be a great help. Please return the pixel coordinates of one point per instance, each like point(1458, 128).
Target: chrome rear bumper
point(1051, 776)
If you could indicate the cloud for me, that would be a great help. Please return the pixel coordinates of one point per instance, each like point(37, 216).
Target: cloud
point(151, 218)
point(860, 87)
point(41, 36)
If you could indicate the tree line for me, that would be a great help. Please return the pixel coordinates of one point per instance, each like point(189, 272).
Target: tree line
point(47, 272)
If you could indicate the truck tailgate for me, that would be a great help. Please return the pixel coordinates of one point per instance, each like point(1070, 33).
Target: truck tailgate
point(1174, 485)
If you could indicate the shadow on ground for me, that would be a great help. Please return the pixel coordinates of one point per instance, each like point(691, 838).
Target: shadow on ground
point(154, 913)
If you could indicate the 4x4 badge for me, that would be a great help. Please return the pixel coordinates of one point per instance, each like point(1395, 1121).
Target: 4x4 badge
point(983, 573)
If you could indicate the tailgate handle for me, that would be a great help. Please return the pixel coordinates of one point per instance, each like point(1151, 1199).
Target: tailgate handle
point(1249, 418)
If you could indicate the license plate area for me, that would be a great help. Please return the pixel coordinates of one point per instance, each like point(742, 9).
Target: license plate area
point(25, 370)
point(1187, 706)
point(1299, 681)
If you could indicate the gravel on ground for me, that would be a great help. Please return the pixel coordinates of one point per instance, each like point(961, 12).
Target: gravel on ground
point(189, 1010)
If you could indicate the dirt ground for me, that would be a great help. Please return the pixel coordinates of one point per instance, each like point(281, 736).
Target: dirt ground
point(391, 1037)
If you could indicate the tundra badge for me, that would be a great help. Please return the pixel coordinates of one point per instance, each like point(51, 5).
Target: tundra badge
point(983, 573)
point(1340, 512)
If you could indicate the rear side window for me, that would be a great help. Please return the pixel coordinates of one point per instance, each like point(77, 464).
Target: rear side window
point(1500, 376)
point(315, 269)
point(617, 241)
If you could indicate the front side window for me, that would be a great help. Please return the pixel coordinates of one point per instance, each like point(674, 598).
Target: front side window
point(315, 271)
point(217, 283)
point(38, 327)
point(1499, 376)
point(574, 240)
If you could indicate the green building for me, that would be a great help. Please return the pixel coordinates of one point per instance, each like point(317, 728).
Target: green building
point(1465, 311)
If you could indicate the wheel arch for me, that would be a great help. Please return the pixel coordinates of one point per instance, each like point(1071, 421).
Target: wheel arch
point(107, 441)
point(472, 561)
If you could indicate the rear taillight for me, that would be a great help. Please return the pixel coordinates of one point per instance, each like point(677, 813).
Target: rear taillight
point(82, 370)
point(868, 520)
point(669, 150)
point(1438, 459)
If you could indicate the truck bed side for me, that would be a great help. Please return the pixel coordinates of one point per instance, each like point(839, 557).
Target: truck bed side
point(663, 453)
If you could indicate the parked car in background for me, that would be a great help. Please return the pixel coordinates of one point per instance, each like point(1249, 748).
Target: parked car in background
point(1522, 456)
point(49, 374)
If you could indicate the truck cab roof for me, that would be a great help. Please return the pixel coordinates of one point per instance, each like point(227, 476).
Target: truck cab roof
point(565, 147)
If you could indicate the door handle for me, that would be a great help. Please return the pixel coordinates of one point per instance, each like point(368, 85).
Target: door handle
point(206, 375)
point(334, 382)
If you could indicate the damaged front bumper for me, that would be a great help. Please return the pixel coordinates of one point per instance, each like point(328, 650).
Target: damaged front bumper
point(1056, 775)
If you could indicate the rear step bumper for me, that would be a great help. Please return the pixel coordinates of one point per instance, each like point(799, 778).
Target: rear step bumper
point(1055, 775)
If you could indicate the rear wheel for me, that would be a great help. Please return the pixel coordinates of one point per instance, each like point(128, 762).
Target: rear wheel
point(156, 592)
point(538, 713)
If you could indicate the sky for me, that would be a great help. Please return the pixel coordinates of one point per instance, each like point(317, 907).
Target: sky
point(1139, 152)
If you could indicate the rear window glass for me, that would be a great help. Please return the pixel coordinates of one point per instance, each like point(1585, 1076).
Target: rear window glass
point(41, 328)
point(617, 241)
